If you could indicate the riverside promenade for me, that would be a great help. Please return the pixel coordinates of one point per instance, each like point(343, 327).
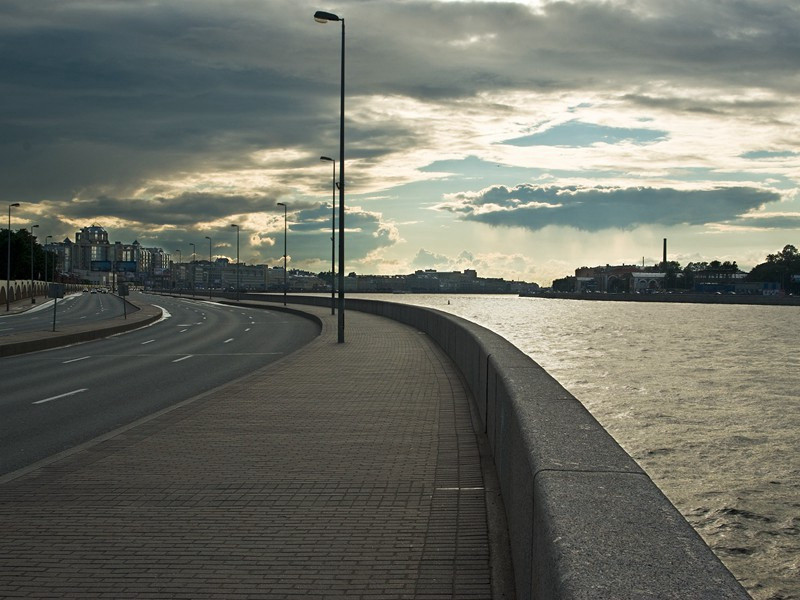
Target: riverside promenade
point(342, 471)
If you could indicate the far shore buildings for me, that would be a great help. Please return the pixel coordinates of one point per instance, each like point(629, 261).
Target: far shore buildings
point(614, 279)
point(93, 260)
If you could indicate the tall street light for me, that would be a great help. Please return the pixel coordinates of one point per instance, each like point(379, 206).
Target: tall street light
point(33, 296)
point(285, 286)
point(8, 264)
point(333, 235)
point(46, 281)
point(194, 261)
point(324, 17)
point(180, 261)
point(237, 260)
point(208, 273)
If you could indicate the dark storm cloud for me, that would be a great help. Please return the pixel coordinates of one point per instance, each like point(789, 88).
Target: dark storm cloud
point(184, 210)
point(98, 95)
point(593, 209)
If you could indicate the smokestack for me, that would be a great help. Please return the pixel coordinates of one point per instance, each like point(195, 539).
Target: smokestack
point(665, 251)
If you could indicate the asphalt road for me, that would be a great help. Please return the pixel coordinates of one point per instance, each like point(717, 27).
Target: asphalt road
point(53, 400)
point(71, 310)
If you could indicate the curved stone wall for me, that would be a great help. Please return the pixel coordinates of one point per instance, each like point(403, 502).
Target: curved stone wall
point(584, 520)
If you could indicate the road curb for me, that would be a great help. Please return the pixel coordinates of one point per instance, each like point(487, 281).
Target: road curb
point(45, 340)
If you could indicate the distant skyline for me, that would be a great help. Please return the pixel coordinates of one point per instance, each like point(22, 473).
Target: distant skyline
point(519, 139)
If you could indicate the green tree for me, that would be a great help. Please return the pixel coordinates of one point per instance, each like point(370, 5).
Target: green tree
point(779, 268)
point(21, 256)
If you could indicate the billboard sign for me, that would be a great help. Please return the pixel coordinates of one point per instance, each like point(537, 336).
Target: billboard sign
point(101, 265)
point(126, 266)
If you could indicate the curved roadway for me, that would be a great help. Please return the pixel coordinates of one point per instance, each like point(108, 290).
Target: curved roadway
point(74, 309)
point(56, 399)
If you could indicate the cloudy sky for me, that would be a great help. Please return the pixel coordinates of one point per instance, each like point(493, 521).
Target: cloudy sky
point(522, 139)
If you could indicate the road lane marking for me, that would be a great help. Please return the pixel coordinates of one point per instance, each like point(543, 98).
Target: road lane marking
point(183, 358)
point(183, 330)
point(66, 362)
point(148, 342)
point(72, 393)
point(228, 340)
point(248, 329)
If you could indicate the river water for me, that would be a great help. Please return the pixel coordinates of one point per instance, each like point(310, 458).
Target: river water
point(705, 397)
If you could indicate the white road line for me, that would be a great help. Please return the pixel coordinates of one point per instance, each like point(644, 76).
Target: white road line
point(148, 342)
point(183, 330)
point(183, 358)
point(72, 393)
point(228, 340)
point(248, 329)
point(66, 362)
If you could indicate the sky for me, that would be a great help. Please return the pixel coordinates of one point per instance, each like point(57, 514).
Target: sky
point(520, 139)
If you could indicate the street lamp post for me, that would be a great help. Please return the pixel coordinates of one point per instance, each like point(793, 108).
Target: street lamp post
point(208, 273)
point(8, 264)
point(46, 281)
point(333, 235)
point(180, 261)
point(324, 17)
point(194, 261)
point(285, 286)
point(237, 260)
point(33, 296)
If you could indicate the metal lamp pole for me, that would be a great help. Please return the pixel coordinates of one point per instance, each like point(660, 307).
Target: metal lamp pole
point(194, 261)
point(333, 235)
point(180, 261)
point(208, 273)
point(285, 286)
point(237, 260)
point(8, 264)
point(46, 280)
point(324, 17)
point(33, 296)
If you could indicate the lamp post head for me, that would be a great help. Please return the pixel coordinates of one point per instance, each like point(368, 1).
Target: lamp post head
point(328, 158)
point(323, 17)
point(34, 226)
point(15, 204)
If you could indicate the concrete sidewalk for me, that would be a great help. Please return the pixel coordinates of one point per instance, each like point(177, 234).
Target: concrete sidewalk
point(343, 471)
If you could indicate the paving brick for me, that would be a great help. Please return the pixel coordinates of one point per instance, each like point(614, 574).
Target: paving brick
point(342, 471)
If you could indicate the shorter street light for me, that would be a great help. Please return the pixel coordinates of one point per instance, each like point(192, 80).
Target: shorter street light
point(46, 280)
point(8, 264)
point(333, 235)
point(208, 273)
point(180, 260)
point(33, 296)
point(284, 252)
point(237, 260)
point(194, 262)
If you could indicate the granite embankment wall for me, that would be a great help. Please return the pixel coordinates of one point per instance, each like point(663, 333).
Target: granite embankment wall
point(584, 520)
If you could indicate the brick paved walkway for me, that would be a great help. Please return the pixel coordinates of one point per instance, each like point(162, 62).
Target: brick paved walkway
point(343, 471)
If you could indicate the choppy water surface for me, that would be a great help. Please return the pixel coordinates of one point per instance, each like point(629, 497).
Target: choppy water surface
point(706, 398)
